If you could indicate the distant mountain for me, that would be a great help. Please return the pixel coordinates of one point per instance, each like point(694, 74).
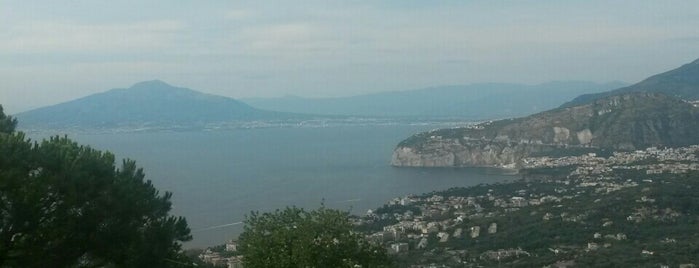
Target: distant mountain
point(621, 122)
point(150, 103)
point(682, 83)
point(476, 101)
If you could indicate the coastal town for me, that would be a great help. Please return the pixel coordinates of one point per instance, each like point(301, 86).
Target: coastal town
point(505, 222)
point(452, 221)
point(652, 160)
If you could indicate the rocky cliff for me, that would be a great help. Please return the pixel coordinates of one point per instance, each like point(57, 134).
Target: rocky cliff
point(622, 122)
point(453, 153)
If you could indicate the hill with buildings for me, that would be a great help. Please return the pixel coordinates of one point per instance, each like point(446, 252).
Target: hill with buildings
point(628, 209)
point(621, 122)
point(634, 209)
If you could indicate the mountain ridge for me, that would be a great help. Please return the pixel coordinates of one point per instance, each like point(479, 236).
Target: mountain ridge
point(151, 102)
point(681, 82)
point(474, 101)
point(626, 120)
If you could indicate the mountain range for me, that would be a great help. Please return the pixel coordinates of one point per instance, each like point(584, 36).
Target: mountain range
point(629, 118)
point(682, 83)
point(475, 101)
point(156, 104)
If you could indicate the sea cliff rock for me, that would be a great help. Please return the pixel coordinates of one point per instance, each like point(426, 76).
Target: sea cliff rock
point(624, 122)
point(454, 153)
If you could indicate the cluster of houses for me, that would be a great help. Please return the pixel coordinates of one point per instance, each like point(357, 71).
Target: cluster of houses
point(434, 220)
point(446, 218)
point(652, 160)
point(230, 260)
point(443, 218)
point(440, 219)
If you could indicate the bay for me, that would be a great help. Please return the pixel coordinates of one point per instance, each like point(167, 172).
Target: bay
point(218, 177)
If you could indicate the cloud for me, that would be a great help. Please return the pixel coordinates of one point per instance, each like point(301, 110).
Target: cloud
point(686, 40)
point(289, 39)
point(239, 14)
point(331, 48)
point(51, 36)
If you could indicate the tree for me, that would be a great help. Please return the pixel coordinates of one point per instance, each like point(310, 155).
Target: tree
point(7, 123)
point(67, 205)
point(294, 237)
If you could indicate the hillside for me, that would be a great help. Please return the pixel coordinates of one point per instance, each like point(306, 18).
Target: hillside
point(682, 83)
point(658, 111)
point(622, 122)
point(632, 213)
point(146, 103)
point(476, 101)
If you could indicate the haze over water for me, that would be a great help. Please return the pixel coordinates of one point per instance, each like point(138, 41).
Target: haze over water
point(217, 177)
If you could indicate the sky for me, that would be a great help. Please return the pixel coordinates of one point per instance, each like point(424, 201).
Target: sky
point(56, 51)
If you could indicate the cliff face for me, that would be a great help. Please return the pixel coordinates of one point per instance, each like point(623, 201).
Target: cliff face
point(622, 122)
point(454, 153)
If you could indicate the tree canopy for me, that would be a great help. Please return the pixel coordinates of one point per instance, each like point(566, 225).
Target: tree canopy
point(294, 237)
point(7, 123)
point(67, 205)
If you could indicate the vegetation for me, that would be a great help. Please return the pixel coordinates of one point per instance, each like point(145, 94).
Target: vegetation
point(648, 225)
point(294, 237)
point(7, 123)
point(67, 205)
point(625, 122)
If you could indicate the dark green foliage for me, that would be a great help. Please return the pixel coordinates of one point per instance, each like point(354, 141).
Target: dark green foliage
point(193, 255)
point(395, 208)
point(668, 228)
point(7, 123)
point(547, 172)
point(62, 204)
point(294, 237)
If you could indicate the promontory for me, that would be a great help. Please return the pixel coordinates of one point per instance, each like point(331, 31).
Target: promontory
point(627, 120)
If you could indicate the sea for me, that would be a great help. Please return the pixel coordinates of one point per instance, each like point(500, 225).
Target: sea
point(219, 176)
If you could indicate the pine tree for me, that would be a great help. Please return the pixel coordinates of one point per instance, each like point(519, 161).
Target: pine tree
point(65, 205)
point(294, 237)
point(7, 123)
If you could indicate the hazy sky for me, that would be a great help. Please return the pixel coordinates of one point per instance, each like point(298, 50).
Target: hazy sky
point(54, 51)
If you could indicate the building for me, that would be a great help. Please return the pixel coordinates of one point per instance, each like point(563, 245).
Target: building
point(493, 228)
point(422, 244)
point(475, 231)
point(399, 247)
point(232, 246)
point(443, 237)
point(235, 262)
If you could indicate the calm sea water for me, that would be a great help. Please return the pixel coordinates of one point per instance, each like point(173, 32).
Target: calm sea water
point(217, 177)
